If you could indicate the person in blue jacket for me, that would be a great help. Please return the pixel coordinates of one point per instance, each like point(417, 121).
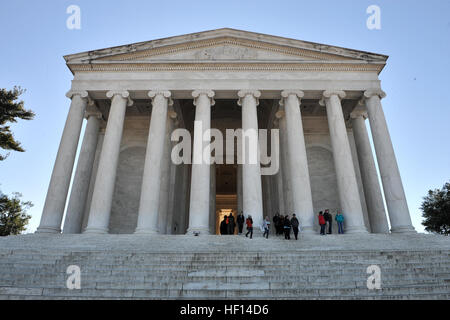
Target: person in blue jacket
point(340, 222)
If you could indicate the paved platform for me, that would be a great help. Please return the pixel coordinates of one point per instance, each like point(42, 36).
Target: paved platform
point(215, 243)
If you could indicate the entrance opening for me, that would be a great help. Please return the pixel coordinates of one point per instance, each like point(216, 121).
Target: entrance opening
point(226, 193)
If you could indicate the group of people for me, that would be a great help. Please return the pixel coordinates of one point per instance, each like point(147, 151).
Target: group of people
point(326, 219)
point(283, 224)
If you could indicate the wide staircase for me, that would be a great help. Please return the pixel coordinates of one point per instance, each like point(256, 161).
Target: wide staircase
point(227, 267)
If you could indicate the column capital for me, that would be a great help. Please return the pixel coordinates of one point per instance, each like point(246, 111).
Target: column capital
point(328, 93)
point(92, 111)
point(123, 93)
point(357, 112)
point(286, 93)
point(209, 93)
point(243, 93)
point(164, 93)
point(280, 114)
point(374, 92)
point(82, 93)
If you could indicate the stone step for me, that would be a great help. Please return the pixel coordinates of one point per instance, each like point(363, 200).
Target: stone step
point(36, 266)
point(292, 280)
point(231, 293)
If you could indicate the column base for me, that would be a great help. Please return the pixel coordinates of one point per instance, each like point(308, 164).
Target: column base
point(95, 230)
point(142, 231)
point(403, 229)
point(358, 229)
point(307, 230)
point(198, 231)
point(48, 230)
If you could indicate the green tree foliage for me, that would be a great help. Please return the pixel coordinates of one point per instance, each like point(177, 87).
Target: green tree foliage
point(436, 210)
point(10, 110)
point(13, 214)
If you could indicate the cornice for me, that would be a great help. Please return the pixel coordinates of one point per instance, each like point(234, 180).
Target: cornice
point(154, 67)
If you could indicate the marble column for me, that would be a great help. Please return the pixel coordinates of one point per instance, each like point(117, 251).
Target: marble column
point(394, 193)
point(251, 172)
point(297, 161)
point(166, 173)
point(279, 181)
point(345, 171)
point(100, 211)
point(55, 201)
point(212, 200)
point(150, 190)
point(174, 184)
point(284, 164)
point(80, 186)
point(201, 171)
point(87, 207)
point(369, 176)
point(239, 188)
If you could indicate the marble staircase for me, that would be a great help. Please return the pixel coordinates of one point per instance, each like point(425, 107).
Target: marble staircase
point(224, 267)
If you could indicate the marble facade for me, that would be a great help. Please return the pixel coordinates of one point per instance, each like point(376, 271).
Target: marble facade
point(134, 96)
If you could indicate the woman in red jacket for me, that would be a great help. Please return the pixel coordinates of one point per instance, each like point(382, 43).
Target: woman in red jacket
point(249, 223)
point(322, 223)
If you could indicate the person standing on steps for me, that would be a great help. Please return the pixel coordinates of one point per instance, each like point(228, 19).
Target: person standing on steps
point(276, 221)
point(328, 219)
point(266, 226)
point(322, 223)
point(287, 228)
point(230, 224)
point(249, 223)
point(295, 224)
point(340, 222)
point(223, 226)
point(240, 221)
point(281, 225)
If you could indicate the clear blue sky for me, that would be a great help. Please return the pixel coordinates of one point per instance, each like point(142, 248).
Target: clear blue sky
point(415, 34)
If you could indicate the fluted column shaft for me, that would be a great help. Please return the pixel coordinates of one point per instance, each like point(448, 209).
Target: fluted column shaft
point(369, 176)
point(345, 171)
point(100, 211)
point(284, 164)
point(239, 188)
point(80, 186)
point(394, 193)
point(150, 191)
point(55, 201)
point(297, 161)
point(251, 172)
point(201, 171)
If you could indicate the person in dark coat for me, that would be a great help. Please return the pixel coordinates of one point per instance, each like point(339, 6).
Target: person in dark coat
point(223, 226)
point(287, 228)
point(328, 219)
point(276, 223)
point(295, 224)
point(240, 221)
point(322, 223)
point(281, 225)
point(230, 224)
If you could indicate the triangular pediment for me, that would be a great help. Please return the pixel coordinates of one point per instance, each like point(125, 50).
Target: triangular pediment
point(223, 49)
point(223, 46)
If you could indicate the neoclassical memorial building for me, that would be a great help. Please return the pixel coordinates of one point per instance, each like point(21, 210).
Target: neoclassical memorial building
point(134, 96)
